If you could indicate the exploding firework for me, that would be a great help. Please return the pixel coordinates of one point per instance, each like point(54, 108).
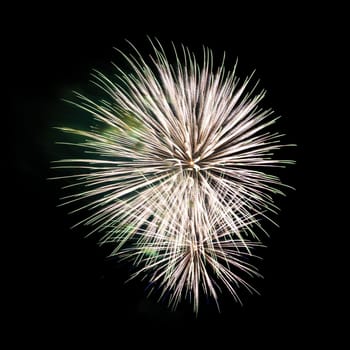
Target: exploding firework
point(173, 172)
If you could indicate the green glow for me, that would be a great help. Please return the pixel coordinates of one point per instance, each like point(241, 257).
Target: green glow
point(150, 251)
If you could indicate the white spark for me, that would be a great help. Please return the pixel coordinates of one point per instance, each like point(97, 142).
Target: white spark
point(173, 174)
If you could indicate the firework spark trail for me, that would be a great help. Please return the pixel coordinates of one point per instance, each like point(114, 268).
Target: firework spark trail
point(175, 182)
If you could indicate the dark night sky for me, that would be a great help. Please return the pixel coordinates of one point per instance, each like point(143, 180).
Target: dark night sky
point(63, 282)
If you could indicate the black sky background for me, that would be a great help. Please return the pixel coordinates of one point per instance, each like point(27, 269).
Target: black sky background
point(61, 283)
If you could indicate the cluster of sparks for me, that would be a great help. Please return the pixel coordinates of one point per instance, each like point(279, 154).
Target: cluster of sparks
point(172, 174)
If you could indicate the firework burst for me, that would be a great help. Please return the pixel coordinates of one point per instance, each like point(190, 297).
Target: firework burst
point(172, 173)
